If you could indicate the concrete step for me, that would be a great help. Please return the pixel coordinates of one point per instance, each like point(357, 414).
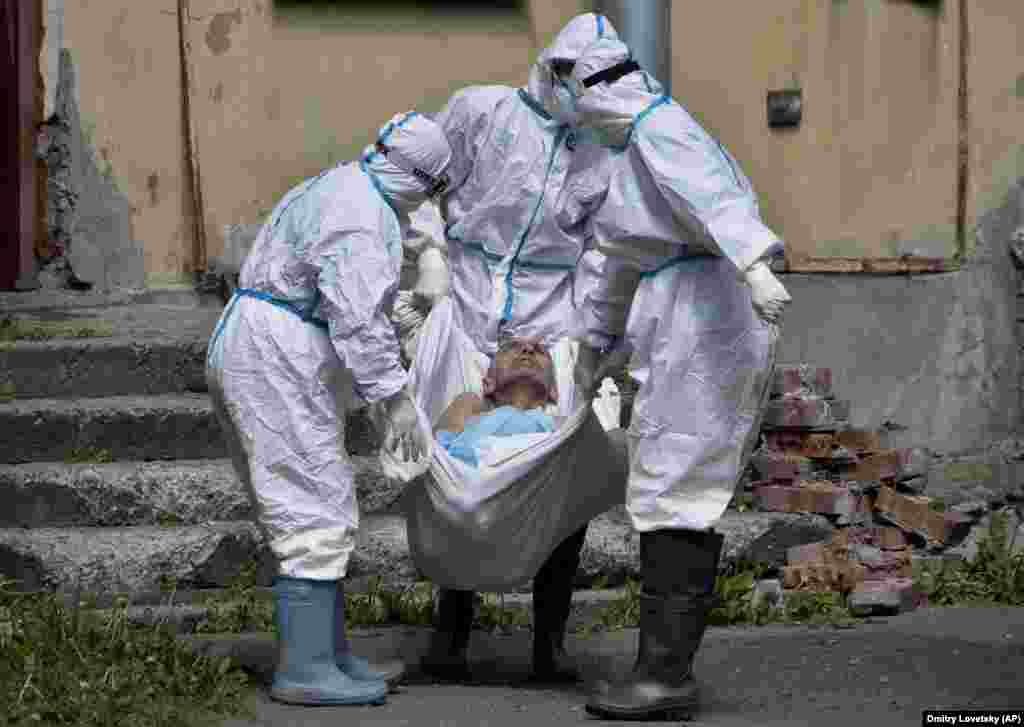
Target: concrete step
point(137, 560)
point(182, 492)
point(165, 426)
point(102, 367)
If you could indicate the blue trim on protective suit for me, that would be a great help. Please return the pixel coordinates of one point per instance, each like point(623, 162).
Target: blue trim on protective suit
point(507, 312)
point(660, 101)
point(388, 130)
point(534, 104)
point(600, 27)
point(545, 266)
point(305, 314)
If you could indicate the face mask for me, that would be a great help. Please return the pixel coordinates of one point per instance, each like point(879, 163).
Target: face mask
point(565, 99)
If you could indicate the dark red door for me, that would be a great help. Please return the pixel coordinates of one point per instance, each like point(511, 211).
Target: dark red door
point(19, 198)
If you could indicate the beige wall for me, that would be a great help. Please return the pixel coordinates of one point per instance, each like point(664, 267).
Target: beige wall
point(870, 175)
point(996, 89)
point(278, 99)
point(129, 93)
point(871, 172)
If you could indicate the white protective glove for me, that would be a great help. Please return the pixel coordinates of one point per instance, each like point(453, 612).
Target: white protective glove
point(396, 417)
point(767, 294)
point(432, 281)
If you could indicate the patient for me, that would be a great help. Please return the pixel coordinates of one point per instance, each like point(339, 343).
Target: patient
point(517, 387)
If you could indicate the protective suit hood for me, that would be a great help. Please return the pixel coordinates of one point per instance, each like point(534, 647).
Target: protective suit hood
point(420, 142)
point(568, 45)
point(611, 109)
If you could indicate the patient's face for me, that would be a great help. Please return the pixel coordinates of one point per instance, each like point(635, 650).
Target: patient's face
point(521, 359)
point(522, 353)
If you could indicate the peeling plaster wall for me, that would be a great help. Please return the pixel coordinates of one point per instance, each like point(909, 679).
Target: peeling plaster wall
point(88, 219)
point(277, 98)
point(128, 66)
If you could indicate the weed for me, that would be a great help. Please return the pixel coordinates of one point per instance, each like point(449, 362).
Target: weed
point(994, 576)
point(67, 666)
point(240, 609)
point(493, 613)
point(734, 604)
point(89, 455)
point(13, 329)
point(815, 607)
point(413, 605)
point(937, 505)
point(168, 519)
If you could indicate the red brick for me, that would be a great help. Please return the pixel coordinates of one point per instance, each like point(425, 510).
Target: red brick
point(771, 465)
point(789, 380)
point(882, 564)
point(823, 576)
point(807, 413)
point(811, 497)
point(876, 466)
point(914, 514)
point(893, 595)
point(819, 552)
point(859, 440)
point(801, 444)
point(880, 536)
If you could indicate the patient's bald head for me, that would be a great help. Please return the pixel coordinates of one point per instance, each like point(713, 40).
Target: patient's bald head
point(522, 374)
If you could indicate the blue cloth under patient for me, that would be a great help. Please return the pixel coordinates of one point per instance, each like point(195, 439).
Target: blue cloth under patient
point(501, 422)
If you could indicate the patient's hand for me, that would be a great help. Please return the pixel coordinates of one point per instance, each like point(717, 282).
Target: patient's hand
point(462, 408)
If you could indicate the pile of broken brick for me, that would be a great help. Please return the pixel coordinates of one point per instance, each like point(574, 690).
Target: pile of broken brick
point(811, 461)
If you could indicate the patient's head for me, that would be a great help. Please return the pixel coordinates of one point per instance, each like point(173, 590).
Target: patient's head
point(522, 374)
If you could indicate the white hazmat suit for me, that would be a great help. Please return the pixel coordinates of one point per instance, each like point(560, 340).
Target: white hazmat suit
point(681, 213)
point(522, 190)
point(681, 230)
point(284, 369)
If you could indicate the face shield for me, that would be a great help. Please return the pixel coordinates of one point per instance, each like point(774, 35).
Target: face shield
point(434, 185)
point(610, 90)
point(408, 161)
point(550, 78)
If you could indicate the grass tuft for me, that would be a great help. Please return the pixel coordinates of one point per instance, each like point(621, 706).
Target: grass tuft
point(70, 666)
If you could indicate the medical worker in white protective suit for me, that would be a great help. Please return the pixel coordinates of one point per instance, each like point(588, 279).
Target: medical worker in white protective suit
point(521, 191)
point(680, 226)
point(307, 330)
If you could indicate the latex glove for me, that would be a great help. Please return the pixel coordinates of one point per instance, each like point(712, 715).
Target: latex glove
point(432, 282)
point(767, 294)
point(396, 416)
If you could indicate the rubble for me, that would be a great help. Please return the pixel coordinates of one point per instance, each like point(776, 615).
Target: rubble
point(811, 462)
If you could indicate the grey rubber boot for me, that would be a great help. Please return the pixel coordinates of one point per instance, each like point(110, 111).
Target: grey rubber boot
point(447, 657)
point(356, 667)
point(679, 569)
point(307, 673)
point(552, 603)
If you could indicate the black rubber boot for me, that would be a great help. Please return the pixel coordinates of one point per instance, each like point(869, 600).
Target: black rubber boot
point(447, 658)
point(552, 603)
point(679, 569)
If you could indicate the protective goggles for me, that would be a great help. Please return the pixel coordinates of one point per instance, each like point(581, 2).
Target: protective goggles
point(435, 186)
point(608, 75)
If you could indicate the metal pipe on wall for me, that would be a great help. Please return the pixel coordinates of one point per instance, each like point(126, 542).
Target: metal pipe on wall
point(645, 26)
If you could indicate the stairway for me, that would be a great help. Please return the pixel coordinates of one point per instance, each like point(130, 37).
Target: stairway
point(114, 479)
